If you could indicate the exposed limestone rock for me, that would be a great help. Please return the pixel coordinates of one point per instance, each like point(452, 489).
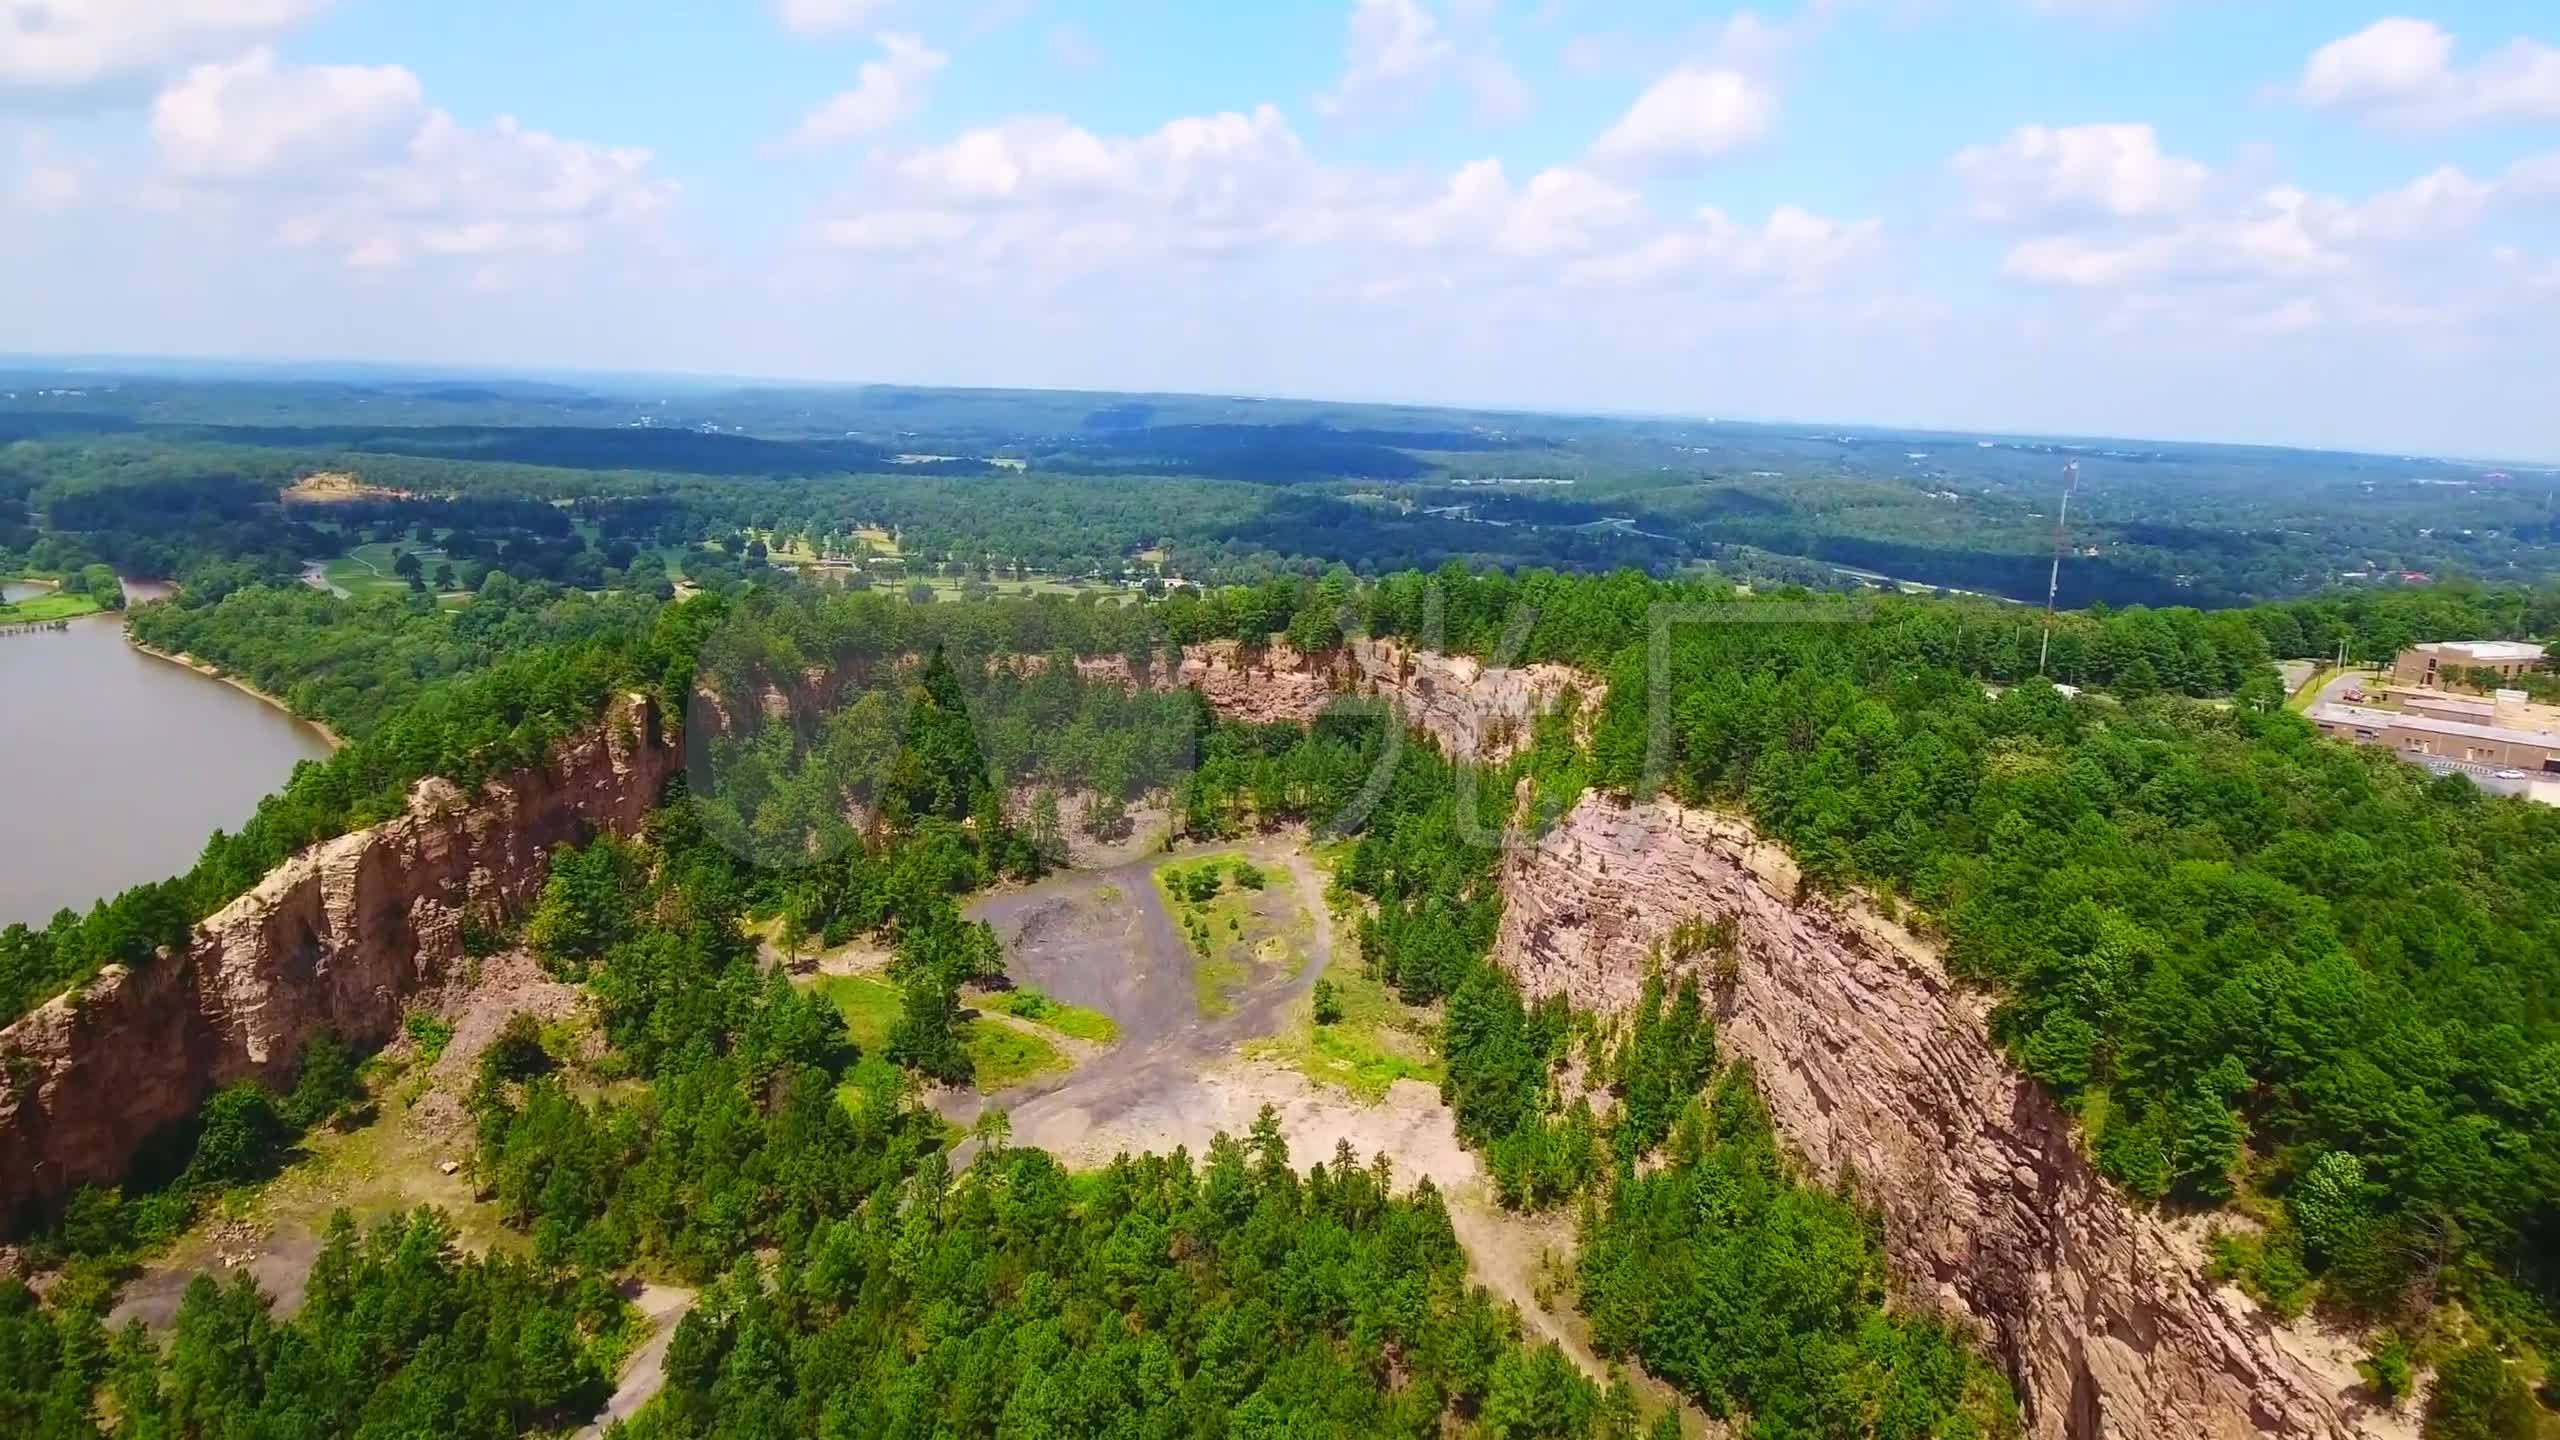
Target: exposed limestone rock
point(1873, 1061)
point(336, 938)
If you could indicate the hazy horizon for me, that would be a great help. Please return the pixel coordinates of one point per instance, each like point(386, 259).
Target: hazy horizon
point(173, 367)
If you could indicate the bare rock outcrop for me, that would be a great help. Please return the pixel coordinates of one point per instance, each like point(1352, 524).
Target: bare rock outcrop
point(1874, 1061)
point(1466, 706)
point(336, 939)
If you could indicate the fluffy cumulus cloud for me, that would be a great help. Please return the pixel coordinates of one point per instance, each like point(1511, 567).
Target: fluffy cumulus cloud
point(1793, 247)
point(253, 116)
point(2159, 239)
point(1041, 188)
point(2402, 71)
point(888, 90)
point(1687, 118)
point(1557, 212)
point(1041, 196)
point(353, 159)
point(71, 45)
point(2040, 170)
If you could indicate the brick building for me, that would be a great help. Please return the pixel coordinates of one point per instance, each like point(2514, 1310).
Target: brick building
point(2437, 663)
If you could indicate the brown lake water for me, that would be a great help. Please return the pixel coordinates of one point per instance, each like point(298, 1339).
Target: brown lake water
point(115, 766)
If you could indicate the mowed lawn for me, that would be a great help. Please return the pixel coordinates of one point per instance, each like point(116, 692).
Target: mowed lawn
point(48, 606)
point(367, 569)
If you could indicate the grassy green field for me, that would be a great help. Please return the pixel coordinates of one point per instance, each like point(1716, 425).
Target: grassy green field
point(1378, 1041)
point(869, 1008)
point(48, 606)
point(1026, 1003)
point(1003, 1056)
point(366, 569)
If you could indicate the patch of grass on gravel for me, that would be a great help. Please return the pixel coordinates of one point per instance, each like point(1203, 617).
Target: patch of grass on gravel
point(1026, 1003)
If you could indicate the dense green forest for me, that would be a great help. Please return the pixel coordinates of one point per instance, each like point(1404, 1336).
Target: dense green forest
point(2267, 968)
point(2268, 972)
point(1227, 1293)
point(1235, 489)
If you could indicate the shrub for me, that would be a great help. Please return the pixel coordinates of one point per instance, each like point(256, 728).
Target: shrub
point(430, 1034)
point(2387, 1368)
point(1328, 1003)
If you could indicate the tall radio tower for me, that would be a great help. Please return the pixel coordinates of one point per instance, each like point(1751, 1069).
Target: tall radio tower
point(2053, 582)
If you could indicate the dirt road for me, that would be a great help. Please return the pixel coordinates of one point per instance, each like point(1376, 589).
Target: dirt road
point(661, 1306)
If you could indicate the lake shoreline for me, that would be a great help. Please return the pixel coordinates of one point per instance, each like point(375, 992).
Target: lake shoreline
point(215, 672)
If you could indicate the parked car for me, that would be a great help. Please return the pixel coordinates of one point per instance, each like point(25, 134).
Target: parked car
point(2510, 774)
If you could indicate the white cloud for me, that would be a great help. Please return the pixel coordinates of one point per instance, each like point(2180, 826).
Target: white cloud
point(1793, 247)
point(886, 91)
point(64, 45)
point(2535, 177)
point(1018, 159)
point(897, 229)
point(2073, 260)
point(2284, 233)
point(251, 116)
point(1394, 46)
point(1397, 53)
point(1559, 210)
point(2117, 170)
point(825, 17)
point(1043, 187)
point(1686, 118)
point(352, 158)
point(2426, 208)
point(2402, 71)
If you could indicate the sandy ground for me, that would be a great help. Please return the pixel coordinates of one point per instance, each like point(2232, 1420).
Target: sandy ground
point(1173, 1102)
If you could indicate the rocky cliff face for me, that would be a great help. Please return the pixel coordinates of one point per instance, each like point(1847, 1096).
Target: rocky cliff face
point(336, 938)
point(1466, 706)
point(1872, 1060)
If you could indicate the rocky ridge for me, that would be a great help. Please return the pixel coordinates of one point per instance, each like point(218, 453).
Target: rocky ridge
point(1875, 1063)
point(1464, 705)
point(335, 939)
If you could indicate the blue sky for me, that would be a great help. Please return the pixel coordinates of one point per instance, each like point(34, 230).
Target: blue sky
point(2245, 219)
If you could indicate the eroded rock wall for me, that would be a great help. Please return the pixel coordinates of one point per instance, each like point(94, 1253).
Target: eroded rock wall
point(1873, 1060)
point(336, 938)
point(1464, 705)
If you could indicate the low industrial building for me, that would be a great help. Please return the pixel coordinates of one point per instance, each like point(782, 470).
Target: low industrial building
point(2418, 734)
point(2438, 664)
